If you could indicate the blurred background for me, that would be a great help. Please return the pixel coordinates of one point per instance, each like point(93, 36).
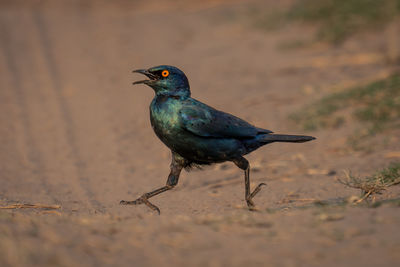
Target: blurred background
point(76, 137)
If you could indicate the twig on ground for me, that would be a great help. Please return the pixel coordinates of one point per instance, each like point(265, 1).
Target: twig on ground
point(30, 206)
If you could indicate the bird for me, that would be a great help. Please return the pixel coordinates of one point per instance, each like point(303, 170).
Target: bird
point(198, 134)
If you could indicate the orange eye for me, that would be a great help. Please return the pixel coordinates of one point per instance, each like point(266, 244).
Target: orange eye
point(165, 73)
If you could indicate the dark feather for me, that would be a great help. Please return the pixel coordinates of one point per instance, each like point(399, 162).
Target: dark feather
point(203, 120)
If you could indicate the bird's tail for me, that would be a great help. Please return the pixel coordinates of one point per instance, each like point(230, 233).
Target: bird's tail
point(269, 138)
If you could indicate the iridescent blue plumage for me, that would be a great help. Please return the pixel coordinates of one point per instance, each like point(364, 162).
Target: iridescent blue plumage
point(197, 133)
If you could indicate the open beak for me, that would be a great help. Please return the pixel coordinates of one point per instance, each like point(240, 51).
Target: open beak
point(151, 76)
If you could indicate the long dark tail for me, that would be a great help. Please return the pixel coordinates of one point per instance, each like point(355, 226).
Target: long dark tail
point(269, 138)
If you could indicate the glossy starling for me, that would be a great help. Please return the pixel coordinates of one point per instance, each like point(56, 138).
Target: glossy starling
point(198, 134)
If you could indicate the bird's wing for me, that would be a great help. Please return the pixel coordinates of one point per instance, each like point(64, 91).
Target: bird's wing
point(206, 121)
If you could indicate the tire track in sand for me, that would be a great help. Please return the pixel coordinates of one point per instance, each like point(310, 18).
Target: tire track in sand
point(69, 126)
point(25, 174)
point(85, 101)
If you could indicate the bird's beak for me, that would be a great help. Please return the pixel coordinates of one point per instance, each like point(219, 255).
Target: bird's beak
point(151, 76)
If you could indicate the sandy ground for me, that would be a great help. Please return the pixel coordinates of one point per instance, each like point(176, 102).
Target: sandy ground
point(75, 133)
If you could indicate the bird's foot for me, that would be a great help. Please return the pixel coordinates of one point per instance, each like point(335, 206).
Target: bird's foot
point(249, 198)
point(141, 200)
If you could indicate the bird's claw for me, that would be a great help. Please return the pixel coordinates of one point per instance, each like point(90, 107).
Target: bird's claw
point(249, 199)
point(141, 200)
point(256, 190)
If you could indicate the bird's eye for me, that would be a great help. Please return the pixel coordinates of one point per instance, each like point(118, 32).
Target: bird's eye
point(165, 73)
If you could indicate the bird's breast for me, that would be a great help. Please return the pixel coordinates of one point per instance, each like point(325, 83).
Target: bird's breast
point(164, 119)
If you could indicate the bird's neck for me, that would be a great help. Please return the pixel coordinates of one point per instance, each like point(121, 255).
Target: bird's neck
point(173, 94)
point(164, 97)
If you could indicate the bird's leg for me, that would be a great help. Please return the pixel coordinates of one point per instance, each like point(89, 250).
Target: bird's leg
point(173, 177)
point(243, 164)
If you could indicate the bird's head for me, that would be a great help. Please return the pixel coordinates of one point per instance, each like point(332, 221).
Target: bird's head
point(166, 80)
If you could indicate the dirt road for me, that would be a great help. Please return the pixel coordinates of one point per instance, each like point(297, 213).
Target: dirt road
point(75, 133)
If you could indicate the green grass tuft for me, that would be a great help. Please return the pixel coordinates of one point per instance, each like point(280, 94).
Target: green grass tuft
point(338, 19)
point(376, 104)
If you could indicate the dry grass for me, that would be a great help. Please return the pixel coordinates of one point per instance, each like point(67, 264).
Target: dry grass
point(375, 183)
